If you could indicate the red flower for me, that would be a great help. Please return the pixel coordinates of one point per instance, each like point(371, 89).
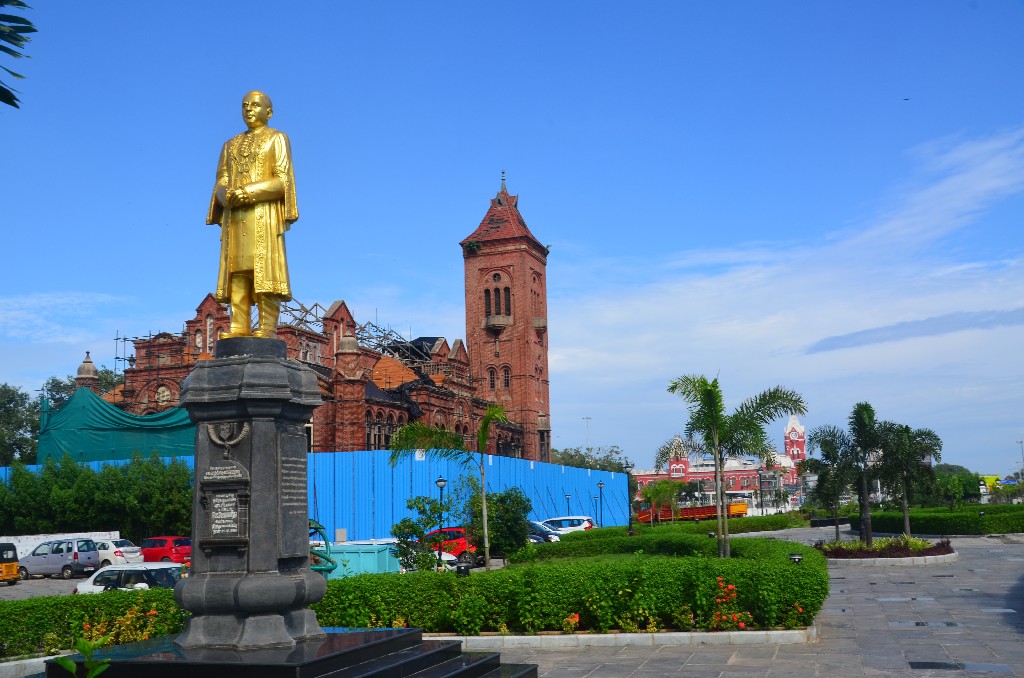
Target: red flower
point(742, 625)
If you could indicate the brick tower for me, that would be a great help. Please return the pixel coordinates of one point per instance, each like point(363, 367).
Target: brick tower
point(795, 440)
point(506, 321)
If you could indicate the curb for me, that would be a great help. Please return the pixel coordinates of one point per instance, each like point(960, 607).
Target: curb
point(24, 667)
point(893, 562)
point(576, 640)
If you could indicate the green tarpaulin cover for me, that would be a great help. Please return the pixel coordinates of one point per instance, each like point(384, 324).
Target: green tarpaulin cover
point(91, 429)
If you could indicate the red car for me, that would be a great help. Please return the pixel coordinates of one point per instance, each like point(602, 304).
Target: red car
point(167, 549)
point(455, 543)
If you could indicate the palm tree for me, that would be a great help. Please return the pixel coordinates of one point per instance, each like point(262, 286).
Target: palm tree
point(864, 438)
point(14, 31)
point(659, 493)
point(906, 455)
point(739, 433)
point(835, 469)
point(448, 445)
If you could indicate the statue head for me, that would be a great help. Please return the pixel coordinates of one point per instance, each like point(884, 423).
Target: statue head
point(256, 109)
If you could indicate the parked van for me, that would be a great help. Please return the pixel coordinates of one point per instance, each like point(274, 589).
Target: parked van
point(64, 557)
point(9, 564)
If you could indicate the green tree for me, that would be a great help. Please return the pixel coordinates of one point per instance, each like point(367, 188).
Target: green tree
point(951, 488)
point(836, 468)
point(510, 510)
point(14, 31)
point(443, 444)
point(413, 550)
point(19, 424)
point(863, 431)
point(740, 433)
point(600, 458)
point(906, 453)
point(660, 493)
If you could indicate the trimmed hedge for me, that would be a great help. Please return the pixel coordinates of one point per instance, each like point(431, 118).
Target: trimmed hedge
point(621, 594)
point(54, 622)
point(745, 525)
point(998, 519)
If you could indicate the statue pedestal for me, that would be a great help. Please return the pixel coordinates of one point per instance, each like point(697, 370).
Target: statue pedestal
point(251, 584)
point(379, 652)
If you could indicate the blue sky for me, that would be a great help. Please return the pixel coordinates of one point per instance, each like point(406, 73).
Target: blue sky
point(826, 196)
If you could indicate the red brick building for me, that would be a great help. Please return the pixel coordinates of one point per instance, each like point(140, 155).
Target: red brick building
point(741, 476)
point(374, 381)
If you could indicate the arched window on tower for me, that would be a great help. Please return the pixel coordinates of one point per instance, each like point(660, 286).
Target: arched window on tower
point(378, 432)
point(388, 430)
point(508, 301)
point(497, 301)
point(209, 334)
point(506, 377)
point(487, 302)
point(492, 378)
point(369, 430)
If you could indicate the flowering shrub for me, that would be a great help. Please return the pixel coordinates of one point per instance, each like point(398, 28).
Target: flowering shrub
point(726, 615)
point(570, 623)
point(130, 627)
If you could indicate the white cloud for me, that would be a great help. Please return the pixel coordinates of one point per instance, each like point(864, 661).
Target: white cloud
point(884, 314)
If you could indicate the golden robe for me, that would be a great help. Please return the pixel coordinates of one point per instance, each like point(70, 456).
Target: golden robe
point(252, 237)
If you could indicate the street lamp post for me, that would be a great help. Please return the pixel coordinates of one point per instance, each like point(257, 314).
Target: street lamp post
point(760, 490)
point(440, 482)
point(567, 498)
point(600, 494)
point(1021, 443)
point(628, 466)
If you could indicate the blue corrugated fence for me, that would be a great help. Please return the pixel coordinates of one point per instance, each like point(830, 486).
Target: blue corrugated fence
point(362, 494)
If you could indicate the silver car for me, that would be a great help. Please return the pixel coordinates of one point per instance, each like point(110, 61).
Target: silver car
point(118, 552)
point(61, 557)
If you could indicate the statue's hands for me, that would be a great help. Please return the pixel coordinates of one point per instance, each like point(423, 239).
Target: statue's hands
point(238, 197)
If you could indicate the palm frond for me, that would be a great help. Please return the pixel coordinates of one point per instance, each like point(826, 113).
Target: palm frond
point(494, 413)
point(416, 435)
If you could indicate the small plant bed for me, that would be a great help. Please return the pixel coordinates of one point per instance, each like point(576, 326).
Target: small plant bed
point(885, 547)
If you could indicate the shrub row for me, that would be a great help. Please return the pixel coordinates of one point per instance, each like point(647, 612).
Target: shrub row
point(651, 542)
point(52, 623)
point(778, 521)
point(997, 519)
point(642, 593)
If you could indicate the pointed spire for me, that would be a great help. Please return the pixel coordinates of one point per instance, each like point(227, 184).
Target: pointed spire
point(503, 189)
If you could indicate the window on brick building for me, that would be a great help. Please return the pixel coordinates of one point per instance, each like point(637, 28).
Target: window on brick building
point(508, 301)
point(378, 432)
point(506, 378)
point(209, 334)
point(491, 379)
point(388, 430)
point(745, 482)
point(487, 302)
point(369, 430)
point(497, 301)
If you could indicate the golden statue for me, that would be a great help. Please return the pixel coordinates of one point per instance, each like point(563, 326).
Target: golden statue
point(254, 203)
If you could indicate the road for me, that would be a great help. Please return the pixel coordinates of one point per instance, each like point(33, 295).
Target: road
point(38, 586)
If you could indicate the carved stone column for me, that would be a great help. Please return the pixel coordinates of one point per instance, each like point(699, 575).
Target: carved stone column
point(250, 584)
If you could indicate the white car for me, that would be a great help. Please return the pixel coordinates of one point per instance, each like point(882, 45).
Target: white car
point(118, 552)
point(564, 524)
point(133, 577)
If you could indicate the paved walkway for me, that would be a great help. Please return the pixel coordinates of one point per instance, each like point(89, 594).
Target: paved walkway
point(955, 619)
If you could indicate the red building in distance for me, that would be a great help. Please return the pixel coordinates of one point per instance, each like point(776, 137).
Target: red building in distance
point(742, 477)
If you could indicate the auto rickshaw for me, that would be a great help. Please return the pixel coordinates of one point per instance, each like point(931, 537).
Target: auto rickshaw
point(9, 564)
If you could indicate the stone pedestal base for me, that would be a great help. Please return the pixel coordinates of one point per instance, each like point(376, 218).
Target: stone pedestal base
point(384, 652)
